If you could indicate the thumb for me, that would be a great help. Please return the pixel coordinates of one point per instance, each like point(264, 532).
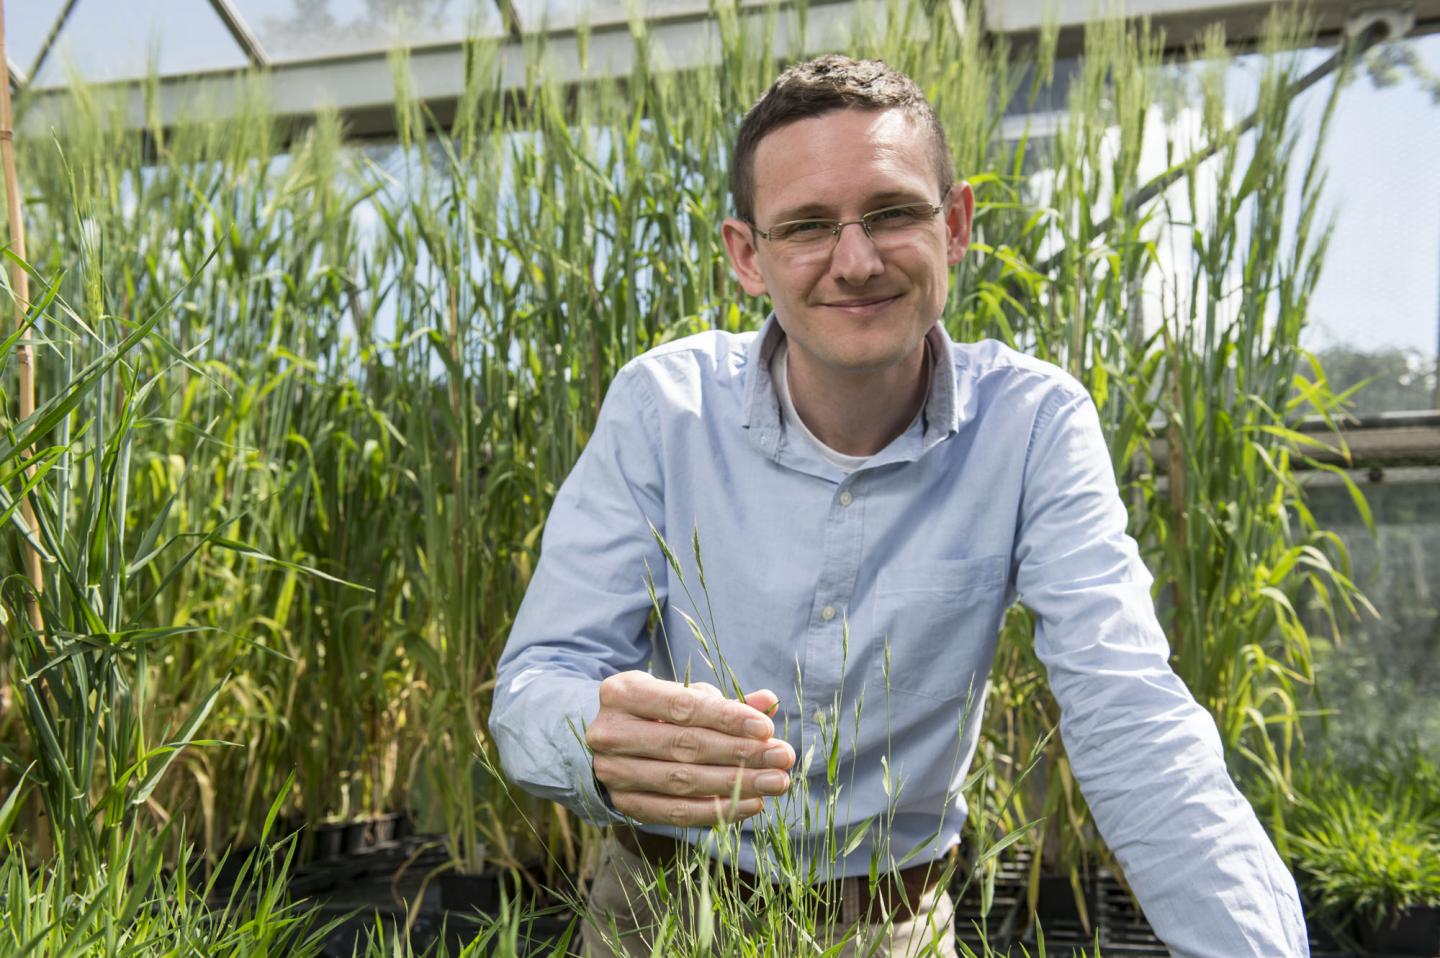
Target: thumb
point(763, 700)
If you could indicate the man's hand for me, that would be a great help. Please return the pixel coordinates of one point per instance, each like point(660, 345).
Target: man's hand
point(671, 754)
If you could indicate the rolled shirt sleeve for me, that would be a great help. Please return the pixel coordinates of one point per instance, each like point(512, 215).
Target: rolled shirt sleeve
point(1148, 758)
point(583, 615)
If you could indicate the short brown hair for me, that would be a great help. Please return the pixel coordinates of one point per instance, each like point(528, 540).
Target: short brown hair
point(823, 85)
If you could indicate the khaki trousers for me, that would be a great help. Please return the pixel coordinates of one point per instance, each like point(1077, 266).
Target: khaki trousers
point(617, 896)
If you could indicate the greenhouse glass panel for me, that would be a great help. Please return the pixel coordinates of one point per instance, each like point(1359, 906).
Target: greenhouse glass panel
point(564, 14)
point(26, 27)
point(1374, 315)
point(308, 29)
point(110, 41)
point(1383, 675)
point(1376, 308)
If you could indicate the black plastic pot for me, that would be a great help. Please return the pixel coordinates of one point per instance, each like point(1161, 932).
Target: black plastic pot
point(462, 892)
point(285, 826)
point(1414, 931)
point(1056, 901)
point(329, 841)
point(385, 828)
point(227, 871)
point(470, 893)
point(356, 838)
point(366, 833)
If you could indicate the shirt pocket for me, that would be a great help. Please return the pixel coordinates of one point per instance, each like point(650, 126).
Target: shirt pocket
point(940, 618)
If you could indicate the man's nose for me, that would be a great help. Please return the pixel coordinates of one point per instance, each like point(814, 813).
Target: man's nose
point(855, 257)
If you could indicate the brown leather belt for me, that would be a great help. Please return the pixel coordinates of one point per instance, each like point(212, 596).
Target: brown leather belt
point(896, 894)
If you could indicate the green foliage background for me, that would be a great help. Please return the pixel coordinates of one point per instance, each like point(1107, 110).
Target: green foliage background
point(313, 486)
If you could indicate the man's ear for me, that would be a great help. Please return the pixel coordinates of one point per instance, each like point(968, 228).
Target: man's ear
point(740, 239)
point(959, 215)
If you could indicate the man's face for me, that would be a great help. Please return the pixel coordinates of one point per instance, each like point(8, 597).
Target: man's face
point(863, 307)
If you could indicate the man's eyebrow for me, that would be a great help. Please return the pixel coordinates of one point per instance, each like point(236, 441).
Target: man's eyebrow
point(875, 201)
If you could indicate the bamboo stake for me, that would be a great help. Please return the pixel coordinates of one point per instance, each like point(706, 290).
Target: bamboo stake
point(20, 282)
point(457, 540)
point(1176, 478)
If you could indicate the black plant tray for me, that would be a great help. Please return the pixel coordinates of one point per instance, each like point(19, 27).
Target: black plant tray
point(372, 887)
point(1121, 926)
point(375, 888)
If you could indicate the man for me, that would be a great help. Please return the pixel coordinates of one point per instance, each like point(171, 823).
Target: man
point(869, 497)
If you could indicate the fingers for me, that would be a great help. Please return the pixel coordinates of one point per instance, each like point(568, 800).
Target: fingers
point(625, 735)
point(622, 774)
point(684, 812)
point(686, 755)
point(698, 706)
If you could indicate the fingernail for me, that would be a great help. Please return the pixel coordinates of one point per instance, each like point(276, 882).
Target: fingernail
point(777, 756)
point(757, 728)
point(772, 783)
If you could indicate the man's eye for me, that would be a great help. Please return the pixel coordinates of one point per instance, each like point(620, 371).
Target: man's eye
point(802, 229)
point(896, 215)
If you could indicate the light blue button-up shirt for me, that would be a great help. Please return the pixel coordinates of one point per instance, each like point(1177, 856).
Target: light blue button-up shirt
point(1001, 490)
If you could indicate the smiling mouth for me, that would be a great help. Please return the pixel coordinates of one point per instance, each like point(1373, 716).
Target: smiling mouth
point(862, 304)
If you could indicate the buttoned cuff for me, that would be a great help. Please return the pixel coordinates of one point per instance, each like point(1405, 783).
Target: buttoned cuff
point(592, 799)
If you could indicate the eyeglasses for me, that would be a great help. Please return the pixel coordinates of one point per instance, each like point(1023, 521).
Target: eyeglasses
point(804, 238)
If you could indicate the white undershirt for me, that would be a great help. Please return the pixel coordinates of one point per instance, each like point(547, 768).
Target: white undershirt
point(793, 422)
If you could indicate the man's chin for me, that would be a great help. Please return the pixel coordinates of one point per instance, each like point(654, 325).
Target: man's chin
point(861, 362)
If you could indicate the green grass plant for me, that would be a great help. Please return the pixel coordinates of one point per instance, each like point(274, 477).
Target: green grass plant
point(1364, 839)
point(701, 900)
point(1182, 315)
point(139, 909)
point(276, 365)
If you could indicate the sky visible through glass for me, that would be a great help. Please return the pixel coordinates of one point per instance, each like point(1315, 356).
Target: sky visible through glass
point(26, 29)
point(1380, 287)
point(104, 41)
point(303, 29)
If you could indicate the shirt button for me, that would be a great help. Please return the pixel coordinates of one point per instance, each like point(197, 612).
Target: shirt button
point(846, 498)
point(827, 613)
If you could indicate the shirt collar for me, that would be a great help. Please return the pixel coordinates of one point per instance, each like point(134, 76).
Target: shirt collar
point(762, 405)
